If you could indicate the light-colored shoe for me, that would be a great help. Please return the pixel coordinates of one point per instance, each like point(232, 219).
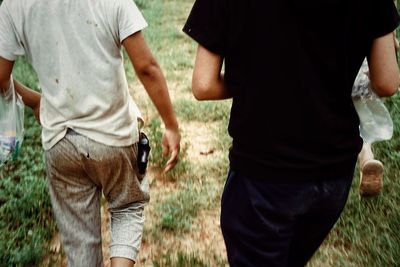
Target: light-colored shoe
point(371, 178)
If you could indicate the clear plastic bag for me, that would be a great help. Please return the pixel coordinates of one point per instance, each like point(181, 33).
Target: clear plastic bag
point(11, 124)
point(375, 121)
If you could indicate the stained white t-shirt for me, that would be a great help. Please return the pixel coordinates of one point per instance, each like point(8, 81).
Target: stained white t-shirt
point(75, 48)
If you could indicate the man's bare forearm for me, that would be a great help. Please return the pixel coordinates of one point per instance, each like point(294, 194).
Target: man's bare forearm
point(208, 79)
point(156, 88)
point(6, 67)
point(30, 97)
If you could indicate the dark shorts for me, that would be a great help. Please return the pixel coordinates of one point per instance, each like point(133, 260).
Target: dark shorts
point(268, 224)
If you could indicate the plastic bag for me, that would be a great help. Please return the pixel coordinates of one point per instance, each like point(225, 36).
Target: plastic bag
point(11, 124)
point(375, 121)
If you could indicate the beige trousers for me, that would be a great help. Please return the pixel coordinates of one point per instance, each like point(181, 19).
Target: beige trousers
point(79, 171)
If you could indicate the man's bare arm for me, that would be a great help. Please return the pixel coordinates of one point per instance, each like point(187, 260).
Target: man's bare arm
point(208, 81)
point(30, 97)
point(5, 74)
point(153, 80)
point(383, 68)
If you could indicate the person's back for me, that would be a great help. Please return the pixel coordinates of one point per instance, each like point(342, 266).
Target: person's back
point(289, 67)
point(74, 46)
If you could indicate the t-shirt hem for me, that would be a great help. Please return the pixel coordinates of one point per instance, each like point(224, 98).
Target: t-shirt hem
point(278, 174)
point(105, 141)
point(6, 55)
point(47, 145)
point(201, 39)
point(131, 30)
point(388, 28)
point(275, 175)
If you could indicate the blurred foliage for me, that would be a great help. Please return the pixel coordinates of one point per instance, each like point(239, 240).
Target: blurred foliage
point(203, 111)
point(141, 3)
point(26, 222)
point(180, 260)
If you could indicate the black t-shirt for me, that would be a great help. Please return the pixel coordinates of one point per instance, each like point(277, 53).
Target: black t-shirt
point(290, 66)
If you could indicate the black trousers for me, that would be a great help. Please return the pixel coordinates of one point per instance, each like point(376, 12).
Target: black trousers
point(270, 224)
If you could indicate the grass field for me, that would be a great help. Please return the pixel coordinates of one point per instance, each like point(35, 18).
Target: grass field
point(182, 219)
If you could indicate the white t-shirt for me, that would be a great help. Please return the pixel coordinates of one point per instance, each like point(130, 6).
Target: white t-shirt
point(75, 48)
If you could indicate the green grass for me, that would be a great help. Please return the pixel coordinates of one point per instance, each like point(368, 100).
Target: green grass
point(25, 213)
point(205, 111)
point(178, 210)
point(180, 260)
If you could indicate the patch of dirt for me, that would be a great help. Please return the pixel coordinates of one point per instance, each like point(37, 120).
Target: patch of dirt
point(105, 234)
point(206, 239)
point(197, 137)
point(54, 256)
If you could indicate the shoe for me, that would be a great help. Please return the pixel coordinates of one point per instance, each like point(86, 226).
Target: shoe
point(371, 178)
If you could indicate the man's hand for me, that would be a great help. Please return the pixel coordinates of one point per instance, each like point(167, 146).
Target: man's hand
point(383, 69)
point(6, 67)
point(30, 97)
point(171, 146)
point(36, 112)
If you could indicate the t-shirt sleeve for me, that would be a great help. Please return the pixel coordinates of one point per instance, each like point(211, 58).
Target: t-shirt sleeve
point(130, 19)
point(206, 25)
point(385, 18)
point(10, 44)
